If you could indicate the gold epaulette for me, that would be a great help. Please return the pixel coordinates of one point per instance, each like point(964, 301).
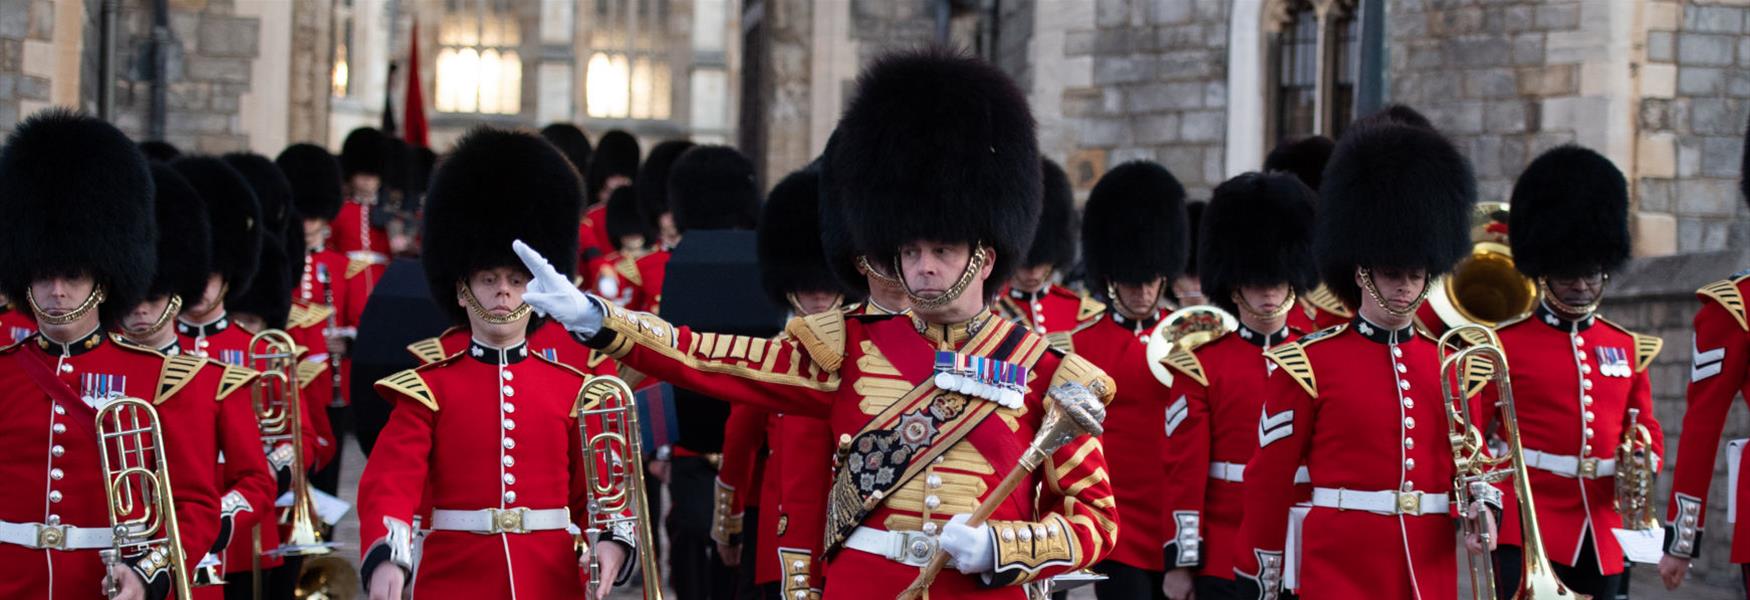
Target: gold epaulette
point(1725, 292)
point(1646, 349)
point(235, 378)
point(595, 359)
point(409, 383)
point(306, 316)
point(1076, 369)
point(295, 318)
point(1291, 357)
point(356, 266)
point(309, 370)
point(1185, 361)
point(1062, 341)
point(1090, 308)
point(628, 267)
point(428, 350)
point(1325, 300)
point(822, 335)
point(177, 372)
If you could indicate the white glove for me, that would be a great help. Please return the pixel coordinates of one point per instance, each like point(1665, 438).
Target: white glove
point(973, 550)
point(552, 295)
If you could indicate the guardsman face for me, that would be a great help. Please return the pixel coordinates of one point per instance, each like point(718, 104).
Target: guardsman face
point(1398, 287)
point(613, 182)
point(1137, 300)
point(1264, 298)
point(209, 300)
point(1189, 290)
point(1577, 290)
point(60, 294)
point(815, 302)
point(365, 186)
point(499, 290)
point(315, 233)
point(667, 232)
point(139, 321)
point(1031, 279)
point(931, 269)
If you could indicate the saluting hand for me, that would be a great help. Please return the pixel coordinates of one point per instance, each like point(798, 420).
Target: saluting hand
point(552, 294)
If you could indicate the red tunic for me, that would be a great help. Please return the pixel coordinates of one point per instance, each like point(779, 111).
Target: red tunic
point(550, 340)
point(1719, 371)
point(1573, 383)
point(15, 325)
point(355, 236)
point(848, 370)
point(52, 451)
point(592, 233)
point(1360, 407)
point(1133, 422)
point(739, 474)
point(615, 277)
point(647, 296)
point(1212, 426)
point(482, 429)
point(1055, 308)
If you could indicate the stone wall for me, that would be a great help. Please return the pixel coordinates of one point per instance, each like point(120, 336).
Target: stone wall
point(25, 87)
point(209, 70)
point(312, 29)
point(1695, 94)
point(1159, 90)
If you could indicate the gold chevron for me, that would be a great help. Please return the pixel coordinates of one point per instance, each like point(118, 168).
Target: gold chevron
point(1186, 362)
point(1726, 293)
point(409, 384)
point(234, 378)
point(177, 372)
point(428, 350)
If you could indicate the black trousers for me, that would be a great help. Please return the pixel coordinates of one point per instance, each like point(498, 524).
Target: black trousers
point(327, 478)
point(695, 570)
point(277, 583)
point(1583, 577)
point(745, 588)
point(1125, 582)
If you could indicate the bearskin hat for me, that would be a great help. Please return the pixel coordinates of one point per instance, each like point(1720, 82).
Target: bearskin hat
point(76, 197)
point(1257, 230)
point(159, 151)
point(496, 187)
point(185, 242)
point(792, 258)
point(1570, 215)
point(571, 142)
point(1055, 241)
point(1193, 234)
point(420, 161)
point(835, 233)
point(1305, 158)
point(652, 180)
point(364, 151)
point(315, 179)
point(1134, 226)
point(235, 216)
point(713, 187)
point(1394, 113)
point(270, 295)
point(1394, 195)
point(938, 145)
point(272, 190)
point(623, 217)
point(615, 154)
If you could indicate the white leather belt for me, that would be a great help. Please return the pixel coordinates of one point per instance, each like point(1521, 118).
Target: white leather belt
point(1385, 503)
point(1570, 466)
point(55, 537)
point(375, 258)
point(911, 548)
point(1236, 473)
point(493, 520)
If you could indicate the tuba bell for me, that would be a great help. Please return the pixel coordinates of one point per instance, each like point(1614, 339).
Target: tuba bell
point(1185, 329)
point(1636, 475)
point(613, 465)
point(1467, 352)
point(1485, 288)
point(136, 480)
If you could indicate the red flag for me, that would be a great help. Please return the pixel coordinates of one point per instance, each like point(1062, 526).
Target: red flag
point(415, 105)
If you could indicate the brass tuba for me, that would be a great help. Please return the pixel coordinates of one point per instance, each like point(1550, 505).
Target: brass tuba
point(1636, 475)
point(136, 480)
point(1485, 288)
point(613, 466)
point(279, 413)
point(1185, 329)
point(1468, 350)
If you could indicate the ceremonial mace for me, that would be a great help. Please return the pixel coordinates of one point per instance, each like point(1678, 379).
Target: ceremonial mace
point(1074, 412)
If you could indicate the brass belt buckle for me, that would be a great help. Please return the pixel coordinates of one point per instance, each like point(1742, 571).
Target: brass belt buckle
point(1410, 503)
point(51, 537)
point(508, 520)
point(1588, 468)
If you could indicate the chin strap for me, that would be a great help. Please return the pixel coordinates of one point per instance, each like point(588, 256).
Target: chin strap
point(522, 310)
point(1125, 309)
point(838, 301)
point(170, 309)
point(1246, 307)
point(869, 270)
point(974, 264)
point(91, 301)
point(1556, 303)
point(1373, 292)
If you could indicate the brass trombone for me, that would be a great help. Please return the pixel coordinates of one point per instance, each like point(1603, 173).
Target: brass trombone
point(1475, 349)
point(613, 466)
point(136, 480)
point(1635, 475)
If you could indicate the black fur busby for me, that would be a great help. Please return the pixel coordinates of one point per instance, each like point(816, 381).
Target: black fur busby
point(365, 150)
point(315, 179)
point(713, 187)
point(615, 154)
point(792, 258)
point(1570, 215)
point(652, 180)
point(1394, 195)
point(1394, 113)
point(571, 142)
point(76, 198)
point(1193, 234)
point(235, 217)
point(1305, 158)
point(185, 242)
point(1054, 243)
point(938, 145)
point(835, 233)
point(271, 188)
point(159, 151)
point(1257, 230)
point(623, 217)
point(1134, 226)
point(270, 295)
point(420, 161)
point(496, 187)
